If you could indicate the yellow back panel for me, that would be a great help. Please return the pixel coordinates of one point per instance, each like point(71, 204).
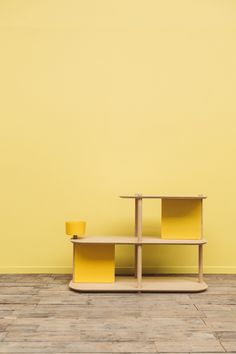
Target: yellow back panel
point(94, 263)
point(181, 219)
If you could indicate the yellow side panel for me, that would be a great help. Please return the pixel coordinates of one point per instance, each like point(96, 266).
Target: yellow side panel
point(94, 263)
point(181, 219)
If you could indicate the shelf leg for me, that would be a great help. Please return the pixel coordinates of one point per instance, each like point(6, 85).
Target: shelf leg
point(139, 247)
point(135, 261)
point(139, 265)
point(139, 219)
point(136, 234)
point(200, 263)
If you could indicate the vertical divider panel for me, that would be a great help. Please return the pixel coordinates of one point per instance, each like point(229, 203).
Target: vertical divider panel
point(181, 218)
point(73, 262)
point(201, 218)
point(94, 263)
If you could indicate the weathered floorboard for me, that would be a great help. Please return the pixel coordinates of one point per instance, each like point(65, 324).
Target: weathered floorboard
point(39, 314)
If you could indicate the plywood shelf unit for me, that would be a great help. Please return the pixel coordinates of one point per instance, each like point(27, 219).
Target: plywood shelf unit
point(94, 263)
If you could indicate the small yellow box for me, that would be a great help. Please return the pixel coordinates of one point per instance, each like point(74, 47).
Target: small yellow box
point(181, 219)
point(94, 263)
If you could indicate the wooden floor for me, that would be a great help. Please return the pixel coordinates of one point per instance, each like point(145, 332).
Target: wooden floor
point(39, 314)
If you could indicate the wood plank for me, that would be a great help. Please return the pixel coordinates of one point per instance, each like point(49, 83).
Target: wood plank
point(221, 323)
point(77, 347)
point(143, 196)
point(55, 298)
point(119, 240)
point(149, 284)
point(226, 336)
point(144, 301)
point(230, 346)
point(19, 299)
point(213, 299)
point(92, 311)
point(221, 314)
point(146, 240)
point(173, 284)
point(92, 329)
point(2, 335)
point(108, 309)
point(26, 279)
point(21, 290)
point(207, 308)
point(4, 323)
point(188, 341)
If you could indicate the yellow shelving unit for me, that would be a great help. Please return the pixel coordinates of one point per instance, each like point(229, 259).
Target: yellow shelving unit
point(94, 256)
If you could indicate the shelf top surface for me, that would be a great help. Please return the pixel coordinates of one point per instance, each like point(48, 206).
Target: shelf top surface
point(132, 240)
point(144, 196)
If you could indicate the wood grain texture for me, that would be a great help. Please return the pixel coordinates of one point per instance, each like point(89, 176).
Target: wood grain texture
point(131, 240)
point(39, 314)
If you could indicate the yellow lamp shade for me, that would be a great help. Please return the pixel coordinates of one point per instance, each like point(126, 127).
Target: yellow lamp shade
point(75, 228)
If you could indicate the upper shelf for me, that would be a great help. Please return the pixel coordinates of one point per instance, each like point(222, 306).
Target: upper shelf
point(138, 196)
point(131, 240)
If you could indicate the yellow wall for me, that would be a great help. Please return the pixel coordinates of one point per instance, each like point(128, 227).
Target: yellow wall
point(102, 98)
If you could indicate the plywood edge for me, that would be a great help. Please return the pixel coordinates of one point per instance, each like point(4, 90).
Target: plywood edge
point(105, 240)
point(129, 284)
point(149, 284)
point(146, 240)
point(162, 197)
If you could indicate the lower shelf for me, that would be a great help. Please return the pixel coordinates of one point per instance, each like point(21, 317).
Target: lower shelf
point(149, 284)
